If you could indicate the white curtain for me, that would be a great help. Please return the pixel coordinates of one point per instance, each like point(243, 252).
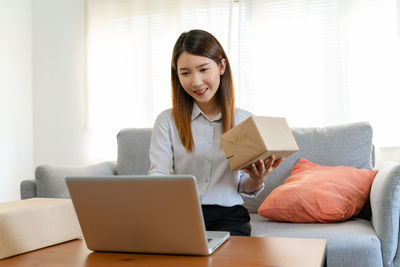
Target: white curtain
point(315, 62)
point(129, 48)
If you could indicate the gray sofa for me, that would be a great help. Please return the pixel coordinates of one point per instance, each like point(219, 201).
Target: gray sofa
point(366, 242)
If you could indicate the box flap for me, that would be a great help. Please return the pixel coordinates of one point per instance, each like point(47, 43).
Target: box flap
point(242, 144)
point(235, 149)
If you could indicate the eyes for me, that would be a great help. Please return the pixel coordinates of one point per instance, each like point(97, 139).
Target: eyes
point(186, 73)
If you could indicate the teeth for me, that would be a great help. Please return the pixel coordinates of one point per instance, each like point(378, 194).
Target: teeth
point(202, 91)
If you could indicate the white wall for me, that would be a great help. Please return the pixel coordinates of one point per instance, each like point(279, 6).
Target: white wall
point(385, 154)
point(16, 142)
point(42, 88)
point(59, 82)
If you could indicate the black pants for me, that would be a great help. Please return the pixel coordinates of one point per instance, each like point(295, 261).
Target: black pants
point(235, 220)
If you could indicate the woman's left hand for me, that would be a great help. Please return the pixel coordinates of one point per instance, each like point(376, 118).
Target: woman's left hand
point(259, 171)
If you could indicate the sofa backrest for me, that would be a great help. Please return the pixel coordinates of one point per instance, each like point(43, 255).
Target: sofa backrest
point(50, 179)
point(133, 151)
point(348, 145)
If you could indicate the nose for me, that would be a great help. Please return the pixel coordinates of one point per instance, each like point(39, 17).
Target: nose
point(197, 80)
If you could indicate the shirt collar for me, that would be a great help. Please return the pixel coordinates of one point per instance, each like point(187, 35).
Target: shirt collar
point(197, 111)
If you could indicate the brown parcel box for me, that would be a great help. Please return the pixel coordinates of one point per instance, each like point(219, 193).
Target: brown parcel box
point(258, 138)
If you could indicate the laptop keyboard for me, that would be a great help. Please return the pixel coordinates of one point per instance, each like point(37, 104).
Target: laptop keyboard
point(208, 240)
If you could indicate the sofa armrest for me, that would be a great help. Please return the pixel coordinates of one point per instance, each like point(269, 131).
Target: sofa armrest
point(385, 206)
point(28, 189)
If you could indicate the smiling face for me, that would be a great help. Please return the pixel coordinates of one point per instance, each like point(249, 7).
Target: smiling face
point(200, 78)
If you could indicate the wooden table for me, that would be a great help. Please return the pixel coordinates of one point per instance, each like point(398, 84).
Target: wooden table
point(237, 251)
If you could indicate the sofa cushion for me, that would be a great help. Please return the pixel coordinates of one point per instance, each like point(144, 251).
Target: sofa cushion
point(349, 243)
point(347, 145)
point(50, 180)
point(315, 193)
point(133, 151)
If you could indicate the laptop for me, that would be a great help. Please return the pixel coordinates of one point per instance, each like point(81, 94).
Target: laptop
point(142, 214)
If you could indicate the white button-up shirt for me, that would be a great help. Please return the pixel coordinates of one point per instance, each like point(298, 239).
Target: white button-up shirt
point(217, 183)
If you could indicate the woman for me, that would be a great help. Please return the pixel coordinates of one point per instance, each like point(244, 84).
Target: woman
point(185, 139)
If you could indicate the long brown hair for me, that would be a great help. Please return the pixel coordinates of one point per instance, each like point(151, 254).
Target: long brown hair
point(200, 43)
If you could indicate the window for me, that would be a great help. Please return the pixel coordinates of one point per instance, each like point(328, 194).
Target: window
point(315, 62)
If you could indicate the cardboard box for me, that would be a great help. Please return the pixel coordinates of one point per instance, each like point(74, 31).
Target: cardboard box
point(258, 138)
point(35, 223)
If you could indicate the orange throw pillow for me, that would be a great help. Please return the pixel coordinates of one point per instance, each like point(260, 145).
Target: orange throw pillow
point(315, 193)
